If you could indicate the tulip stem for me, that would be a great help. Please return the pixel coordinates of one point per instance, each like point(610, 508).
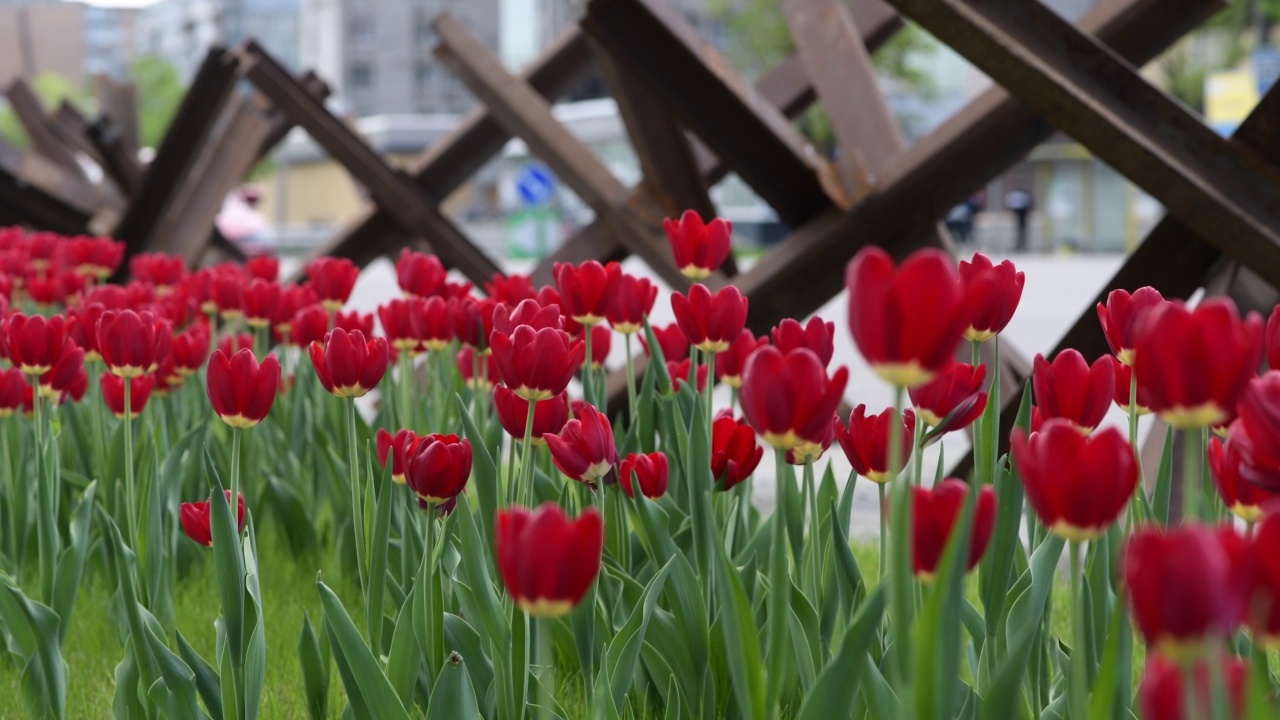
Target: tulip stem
point(631, 383)
point(357, 510)
point(707, 393)
point(511, 489)
point(235, 473)
point(46, 533)
point(1190, 475)
point(406, 380)
point(883, 535)
point(901, 593)
point(1079, 679)
point(130, 490)
point(1135, 507)
point(526, 457)
point(588, 388)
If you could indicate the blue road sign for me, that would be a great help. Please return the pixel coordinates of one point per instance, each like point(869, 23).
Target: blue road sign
point(535, 184)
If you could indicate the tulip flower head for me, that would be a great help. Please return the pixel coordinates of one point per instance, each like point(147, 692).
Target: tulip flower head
point(547, 561)
point(67, 377)
point(240, 390)
point(438, 469)
point(731, 362)
point(1120, 318)
point(1124, 385)
point(310, 324)
point(681, 371)
point(263, 267)
point(710, 322)
point(536, 364)
point(139, 393)
point(649, 471)
point(587, 290)
point(420, 274)
point(991, 295)
point(632, 304)
point(954, 399)
point(399, 448)
point(34, 343)
point(584, 450)
point(510, 289)
point(333, 279)
point(549, 416)
point(1243, 498)
point(478, 375)
point(734, 451)
point(133, 343)
point(472, 321)
point(347, 364)
point(818, 335)
point(529, 312)
point(699, 248)
point(1070, 389)
point(196, 521)
point(13, 389)
point(789, 399)
point(866, 440)
point(934, 514)
point(1257, 431)
point(261, 297)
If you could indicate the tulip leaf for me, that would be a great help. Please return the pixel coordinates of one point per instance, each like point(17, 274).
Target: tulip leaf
point(461, 637)
point(1103, 699)
point(315, 669)
point(228, 562)
point(1164, 480)
point(623, 652)
point(997, 564)
point(453, 696)
point(938, 628)
point(370, 682)
point(178, 681)
point(66, 585)
point(741, 640)
point(404, 659)
point(483, 469)
point(1021, 627)
point(375, 591)
point(206, 678)
point(833, 688)
point(475, 569)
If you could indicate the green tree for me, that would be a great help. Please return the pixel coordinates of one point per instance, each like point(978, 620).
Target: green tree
point(159, 91)
point(52, 89)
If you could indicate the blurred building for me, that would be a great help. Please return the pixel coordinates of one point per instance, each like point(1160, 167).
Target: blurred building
point(181, 31)
point(109, 40)
point(41, 37)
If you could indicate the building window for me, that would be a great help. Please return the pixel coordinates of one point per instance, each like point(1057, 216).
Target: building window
point(423, 32)
point(360, 75)
point(422, 75)
point(361, 27)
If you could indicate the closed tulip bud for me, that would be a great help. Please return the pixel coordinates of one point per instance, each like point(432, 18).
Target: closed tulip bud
point(139, 393)
point(347, 364)
point(353, 321)
point(584, 448)
point(650, 472)
point(438, 469)
point(734, 451)
point(1185, 587)
point(190, 349)
point(632, 304)
point(587, 290)
point(1226, 460)
point(528, 312)
point(1070, 389)
point(549, 416)
point(1120, 318)
point(82, 328)
point(227, 291)
point(731, 362)
point(310, 324)
point(435, 325)
point(699, 248)
point(991, 295)
point(196, 521)
point(1124, 385)
point(547, 561)
point(1196, 363)
point(865, 442)
point(265, 267)
point(419, 274)
point(510, 289)
point(711, 322)
point(260, 299)
point(292, 299)
point(934, 514)
point(908, 320)
point(399, 448)
point(232, 344)
point(473, 321)
point(671, 341)
point(34, 343)
point(162, 270)
point(240, 390)
point(95, 256)
point(13, 389)
point(537, 364)
point(954, 399)
point(487, 369)
point(399, 322)
point(789, 399)
point(679, 372)
point(1162, 695)
point(1257, 431)
point(817, 335)
point(67, 377)
point(133, 343)
point(333, 279)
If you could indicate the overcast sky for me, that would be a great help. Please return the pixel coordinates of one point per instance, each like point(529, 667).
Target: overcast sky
point(122, 3)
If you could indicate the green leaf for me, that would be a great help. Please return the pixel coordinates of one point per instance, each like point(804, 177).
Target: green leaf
point(379, 540)
point(44, 677)
point(483, 470)
point(462, 638)
point(315, 670)
point(404, 659)
point(370, 683)
point(624, 649)
point(66, 586)
point(1164, 480)
point(179, 681)
point(833, 689)
point(228, 562)
point(742, 643)
point(207, 681)
point(453, 697)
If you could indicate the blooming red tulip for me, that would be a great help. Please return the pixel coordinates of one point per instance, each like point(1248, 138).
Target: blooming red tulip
point(549, 416)
point(438, 468)
point(934, 513)
point(399, 322)
point(190, 349)
point(162, 270)
point(419, 274)
point(711, 322)
point(731, 362)
point(789, 399)
point(866, 442)
point(906, 321)
point(601, 343)
point(510, 289)
point(1070, 389)
point(734, 451)
point(227, 292)
point(632, 304)
point(584, 449)
point(528, 312)
point(34, 343)
point(240, 390)
point(1195, 364)
point(537, 364)
point(1120, 317)
point(547, 561)
point(94, 256)
point(473, 321)
point(672, 342)
point(954, 399)
point(1124, 384)
point(817, 335)
point(1241, 496)
point(679, 372)
point(487, 368)
point(67, 377)
point(310, 324)
point(1257, 431)
point(651, 473)
point(197, 523)
point(433, 326)
point(587, 290)
point(1272, 339)
point(292, 299)
point(1184, 587)
point(133, 343)
point(333, 279)
point(347, 364)
point(1260, 563)
point(991, 295)
point(82, 327)
point(139, 393)
point(699, 249)
point(41, 247)
point(261, 297)
point(1162, 695)
point(1077, 485)
point(399, 448)
point(13, 389)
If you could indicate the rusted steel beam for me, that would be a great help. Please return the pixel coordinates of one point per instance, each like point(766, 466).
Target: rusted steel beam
point(280, 122)
point(447, 164)
point(35, 121)
point(43, 194)
point(526, 115)
point(654, 41)
point(389, 188)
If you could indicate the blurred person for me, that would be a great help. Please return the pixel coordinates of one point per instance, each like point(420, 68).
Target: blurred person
point(1018, 201)
point(240, 222)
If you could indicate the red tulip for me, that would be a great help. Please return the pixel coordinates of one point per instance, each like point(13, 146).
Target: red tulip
point(117, 297)
point(1077, 485)
point(333, 280)
point(537, 364)
point(584, 449)
point(94, 256)
point(347, 364)
point(41, 248)
point(292, 299)
point(160, 269)
point(265, 267)
point(679, 372)
point(1196, 363)
point(1272, 339)
point(310, 324)
point(190, 349)
point(197, 522)
point(651, 473)
point(261, 297)
point(510, 289)
point(906, 321)
point(1070, 389)
point(400, 324)
point(991, 295)
point(601, 343)
point(632, 304)
point(1184, 587)
point(240, 390)
point(419, 274)
point(1256, 432)
point(82, 327)
point(67, 377)
point(488, 367)
point(866, 442)
point(354, 320)
point(1120, 318)
point(133, 343)
point(1226, 460)
point(438, 469)
point(934, 513)
point(672, 342)
point(789, 399)
point(548, 561)
point(817, 335)
point(734, 451)
point(232, 344)
point(473, 321)
point(1124, 384)
point(528, 312)
point(549, 416)
point(699, 249)
point(13, 389)
point(587, 290)
point(227, 291)
point(954, 399)
point(711, 322)
point(34, 343)
point(399, 448)
point(1162, 695)
point(1260, 563)
point(548, 295)
point(811, 451)
point(731, 362)
point(139, 393)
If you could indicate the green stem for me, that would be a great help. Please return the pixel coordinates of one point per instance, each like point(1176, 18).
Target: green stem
point(884, 536)
point(631, 383)
point(1190, 474)
point(901, 593)
point(1079, 679)
point(433, 615)
point(357, 507)
point(707, 393)
point(588, 388)
point(406, 381)
point(512, 486)
point(1135, 505)
point(46, 532)
point(236, 438)
point(130, 492)
point(11, 504)
point(526, 457)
